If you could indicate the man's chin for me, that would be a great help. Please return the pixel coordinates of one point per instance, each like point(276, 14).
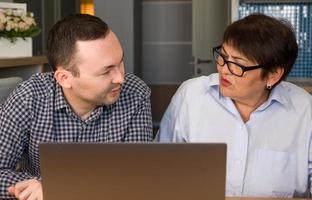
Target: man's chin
point(109, 101)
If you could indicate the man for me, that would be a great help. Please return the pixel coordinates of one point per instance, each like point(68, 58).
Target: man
point(88, 98)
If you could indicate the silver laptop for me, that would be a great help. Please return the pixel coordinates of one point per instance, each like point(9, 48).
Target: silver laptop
point(127, 171)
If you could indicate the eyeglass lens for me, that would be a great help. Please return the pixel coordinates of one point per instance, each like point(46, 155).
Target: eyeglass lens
point(233, 68)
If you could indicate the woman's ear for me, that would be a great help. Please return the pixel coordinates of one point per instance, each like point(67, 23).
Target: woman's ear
point(63, 77)
point(275, 76)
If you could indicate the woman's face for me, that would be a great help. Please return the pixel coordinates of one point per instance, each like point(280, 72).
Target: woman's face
point(251, 87)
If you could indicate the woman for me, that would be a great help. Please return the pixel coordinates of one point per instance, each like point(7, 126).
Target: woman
point(265, 121)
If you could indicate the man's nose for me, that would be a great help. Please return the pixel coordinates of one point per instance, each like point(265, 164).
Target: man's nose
point(118, 76)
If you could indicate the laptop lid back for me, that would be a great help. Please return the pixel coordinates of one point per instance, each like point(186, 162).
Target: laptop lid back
point(125, 171)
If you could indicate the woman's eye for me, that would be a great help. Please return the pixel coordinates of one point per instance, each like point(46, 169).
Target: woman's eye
point(224, 56)
point(105, 73)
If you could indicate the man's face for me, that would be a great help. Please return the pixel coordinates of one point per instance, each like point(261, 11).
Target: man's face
point(101, 71)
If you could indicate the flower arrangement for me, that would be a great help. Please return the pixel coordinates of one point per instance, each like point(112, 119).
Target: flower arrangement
point(16, 23)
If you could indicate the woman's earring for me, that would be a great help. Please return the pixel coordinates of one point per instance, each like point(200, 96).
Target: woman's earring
point(269, 87)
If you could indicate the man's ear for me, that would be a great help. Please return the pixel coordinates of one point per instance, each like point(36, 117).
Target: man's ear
point(275, 76)
point(63, 77)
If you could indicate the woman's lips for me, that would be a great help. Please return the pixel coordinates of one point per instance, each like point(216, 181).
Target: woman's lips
point(115, 92)
point(225, 82)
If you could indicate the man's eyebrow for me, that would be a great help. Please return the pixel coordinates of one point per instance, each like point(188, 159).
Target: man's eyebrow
point(111, 66)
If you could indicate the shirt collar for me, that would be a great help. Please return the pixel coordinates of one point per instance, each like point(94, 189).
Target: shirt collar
point(212, 82)
point(60, 101)
point(278, 94)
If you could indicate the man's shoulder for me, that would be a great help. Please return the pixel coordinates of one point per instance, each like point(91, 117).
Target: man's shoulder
point(135, 86)
point(30, 94)
point(38, 85)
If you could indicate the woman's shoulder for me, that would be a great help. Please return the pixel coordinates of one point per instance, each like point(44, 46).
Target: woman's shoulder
point(199, 85)
point(292, 88)
point(295, 93)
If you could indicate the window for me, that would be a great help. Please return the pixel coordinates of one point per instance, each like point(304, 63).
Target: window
point(299, 14)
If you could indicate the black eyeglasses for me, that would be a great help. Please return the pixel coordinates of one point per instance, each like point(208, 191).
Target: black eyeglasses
point(235, 68)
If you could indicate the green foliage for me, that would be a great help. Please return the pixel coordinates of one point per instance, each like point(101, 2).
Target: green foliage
point(13, 35)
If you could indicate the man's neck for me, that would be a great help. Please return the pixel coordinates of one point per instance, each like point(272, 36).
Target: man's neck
point(81, 108)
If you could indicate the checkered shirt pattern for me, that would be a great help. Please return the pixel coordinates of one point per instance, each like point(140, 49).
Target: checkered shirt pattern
point(36, 112)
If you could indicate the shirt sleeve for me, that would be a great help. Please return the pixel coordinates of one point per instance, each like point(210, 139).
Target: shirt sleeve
point(141, 126)
point(13, 120)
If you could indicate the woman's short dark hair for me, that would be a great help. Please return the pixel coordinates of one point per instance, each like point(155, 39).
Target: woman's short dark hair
point(264, 40)
point(64, 35)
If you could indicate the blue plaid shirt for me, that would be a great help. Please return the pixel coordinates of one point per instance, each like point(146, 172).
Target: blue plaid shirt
point(36, 112)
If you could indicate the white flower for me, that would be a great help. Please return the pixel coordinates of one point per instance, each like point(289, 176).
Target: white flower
point(22, 26)
point(29, 21)
point(9, 26)
point(8, 18)
point(8, 11)
point(16, 23)
point(18, 12)
point(16, 19)
point(2, 18)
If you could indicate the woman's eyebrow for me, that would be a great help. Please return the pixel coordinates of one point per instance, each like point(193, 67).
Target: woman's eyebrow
point(235, 57)
point(122, 58)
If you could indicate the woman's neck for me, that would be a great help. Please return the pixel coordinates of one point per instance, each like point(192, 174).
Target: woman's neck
point(246, 106)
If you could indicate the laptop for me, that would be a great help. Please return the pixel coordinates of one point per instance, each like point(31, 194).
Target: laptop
point(128, 171)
